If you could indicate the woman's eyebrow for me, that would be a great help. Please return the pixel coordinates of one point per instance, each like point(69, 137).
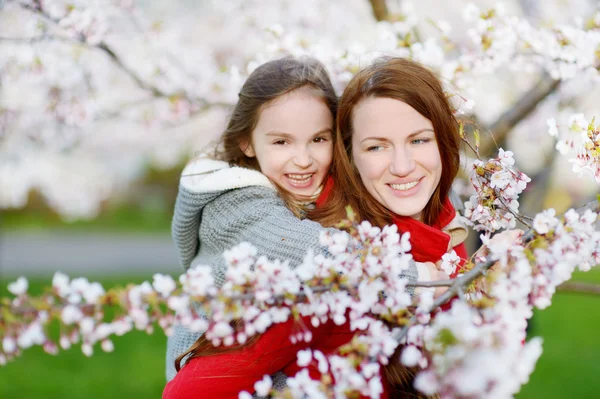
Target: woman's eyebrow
point(427, 129)
point(377, 138)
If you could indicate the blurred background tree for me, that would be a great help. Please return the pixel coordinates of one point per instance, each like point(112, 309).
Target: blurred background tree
point(103, 101)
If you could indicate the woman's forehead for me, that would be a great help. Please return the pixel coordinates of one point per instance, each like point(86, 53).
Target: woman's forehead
point(387, 116)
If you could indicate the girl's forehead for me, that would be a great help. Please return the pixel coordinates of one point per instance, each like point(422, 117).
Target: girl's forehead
point(299, 114)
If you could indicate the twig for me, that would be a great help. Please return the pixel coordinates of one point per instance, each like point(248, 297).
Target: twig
point(438, 283)
point(476, 151)
point(579, 287)
point(38, 39)
point(515, 214)
point(455, 288)
point(380, 10)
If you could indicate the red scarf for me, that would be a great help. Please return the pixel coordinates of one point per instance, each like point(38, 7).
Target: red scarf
point(429, 243)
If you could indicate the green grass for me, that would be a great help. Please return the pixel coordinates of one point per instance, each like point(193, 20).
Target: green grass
point(568, 367)
point(136, 368)
point(123, 218)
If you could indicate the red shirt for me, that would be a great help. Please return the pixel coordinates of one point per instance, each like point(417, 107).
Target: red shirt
point(224, 375)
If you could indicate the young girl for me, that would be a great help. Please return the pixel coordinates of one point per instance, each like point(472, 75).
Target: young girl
point(396, 155)
point(276, 153)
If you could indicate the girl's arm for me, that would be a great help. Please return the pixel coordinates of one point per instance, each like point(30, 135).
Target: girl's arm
point(225, 375)
point(257, 215)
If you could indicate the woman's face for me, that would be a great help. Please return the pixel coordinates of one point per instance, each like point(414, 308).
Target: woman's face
point(292, 142)
point(396, 154)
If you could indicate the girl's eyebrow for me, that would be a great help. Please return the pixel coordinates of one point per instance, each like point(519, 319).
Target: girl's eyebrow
point(291, 136)
point(376, 138)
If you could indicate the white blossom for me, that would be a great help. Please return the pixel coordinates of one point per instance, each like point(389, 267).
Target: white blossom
point(163, 284)
point(19, 287)
point(263, 387)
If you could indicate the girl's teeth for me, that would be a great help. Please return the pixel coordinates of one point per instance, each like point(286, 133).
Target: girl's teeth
point(404, 187)
point(300, 178)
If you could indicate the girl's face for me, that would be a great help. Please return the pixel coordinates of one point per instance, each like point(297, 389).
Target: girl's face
point(292, 142)
point(396, 154)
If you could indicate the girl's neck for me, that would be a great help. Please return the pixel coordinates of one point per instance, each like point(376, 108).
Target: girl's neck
point(309, 200)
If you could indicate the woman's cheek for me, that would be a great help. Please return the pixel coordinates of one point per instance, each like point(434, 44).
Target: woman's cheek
point(368, 167)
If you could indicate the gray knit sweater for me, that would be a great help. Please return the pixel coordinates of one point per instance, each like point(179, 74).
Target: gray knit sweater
point(218, 207)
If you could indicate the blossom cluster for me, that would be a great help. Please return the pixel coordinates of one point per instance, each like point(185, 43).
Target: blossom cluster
point(569, 242)
point(583, 137)
point(484, 344)
point(498, 185)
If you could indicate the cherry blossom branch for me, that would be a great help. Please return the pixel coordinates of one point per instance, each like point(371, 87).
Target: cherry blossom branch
point(88, 308)
point(480, 269)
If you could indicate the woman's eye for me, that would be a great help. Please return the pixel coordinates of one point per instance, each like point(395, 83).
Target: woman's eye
point(375, 148)
point(280, 142)
point(421, 141)
point(320, 139)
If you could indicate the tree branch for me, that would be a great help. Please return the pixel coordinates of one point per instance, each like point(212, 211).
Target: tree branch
point(579, 287)
point(519, 111)
point(380, 10)
point(107, 50)
point(38, 39)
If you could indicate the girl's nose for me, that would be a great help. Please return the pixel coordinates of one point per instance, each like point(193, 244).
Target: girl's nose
point(303, 158)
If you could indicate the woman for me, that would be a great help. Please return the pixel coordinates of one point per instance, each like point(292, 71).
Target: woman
point(396, 154)
point(275, 155)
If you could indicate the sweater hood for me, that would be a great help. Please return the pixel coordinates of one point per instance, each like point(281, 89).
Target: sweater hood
point(202, 181)
point(205, 175)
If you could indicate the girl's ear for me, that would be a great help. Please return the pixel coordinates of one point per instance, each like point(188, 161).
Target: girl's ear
point(246, 147)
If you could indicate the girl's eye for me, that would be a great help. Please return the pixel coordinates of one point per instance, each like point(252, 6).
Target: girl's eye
point(280, 142)
point(320, 139)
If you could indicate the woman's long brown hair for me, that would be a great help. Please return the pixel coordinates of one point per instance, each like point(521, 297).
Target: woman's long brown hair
point(415, 85)
point(265, 85)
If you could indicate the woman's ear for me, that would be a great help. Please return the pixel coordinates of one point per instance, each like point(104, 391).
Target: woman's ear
point(246, 147)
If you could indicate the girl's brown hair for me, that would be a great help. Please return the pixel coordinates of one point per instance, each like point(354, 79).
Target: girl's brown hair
point(415, 85)
point(265, 85)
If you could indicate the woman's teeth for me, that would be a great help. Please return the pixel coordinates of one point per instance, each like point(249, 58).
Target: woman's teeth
point(404, 187)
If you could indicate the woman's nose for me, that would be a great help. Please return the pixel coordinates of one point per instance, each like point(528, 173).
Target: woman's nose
point(402, 163)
